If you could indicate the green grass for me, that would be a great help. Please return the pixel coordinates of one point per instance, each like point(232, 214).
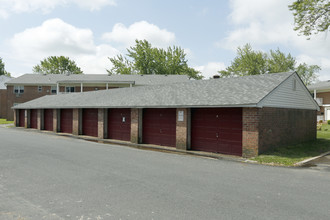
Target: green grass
point(4, 121)
point(289, 155)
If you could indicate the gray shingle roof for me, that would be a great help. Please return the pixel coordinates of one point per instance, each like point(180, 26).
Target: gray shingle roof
point(52, 79)
point(320, 86)
point(3, 80)
point(240, 91)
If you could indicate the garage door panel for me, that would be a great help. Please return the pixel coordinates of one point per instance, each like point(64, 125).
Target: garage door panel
point(119, 124)
point(34, 118)
point(66, 120)
point(48, 119)
point(21, 122)
point(159, 127)
point(90, 122)
point(217, 130)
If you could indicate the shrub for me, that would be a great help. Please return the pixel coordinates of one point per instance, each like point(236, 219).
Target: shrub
point(320, 121)
point(328, 122)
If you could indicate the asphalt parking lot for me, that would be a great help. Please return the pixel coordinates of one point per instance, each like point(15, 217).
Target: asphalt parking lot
point(46, 176)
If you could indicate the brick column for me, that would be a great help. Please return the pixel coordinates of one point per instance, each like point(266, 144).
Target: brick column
point(100, 123)
point(26, 118)
point(40, 119)
point(75, 121)
point(182, 128)
point(56, 119)
point(250, 140)
point(136, 125)
point(16, 115)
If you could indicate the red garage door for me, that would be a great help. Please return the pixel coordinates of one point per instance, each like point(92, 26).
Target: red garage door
point(21, 118)
point(66, 120)
point(119, 124)
point(34, 118)
point(159, 127)
point(217, 130)
point(48, 119)
point(89, 122)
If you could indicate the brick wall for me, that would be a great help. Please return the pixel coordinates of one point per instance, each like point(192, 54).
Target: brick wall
point(100, 123)
point(279, 126)
point(3, 103)
point(135, 125)
point(250, 136)
point(31, 92)
point(76, 123)
point(325, 96)
point(182, 128)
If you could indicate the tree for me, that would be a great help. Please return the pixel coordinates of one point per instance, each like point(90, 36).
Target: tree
point(311, 16)
point(278, 62)
point(247, 62)
point(57, 65)
point(307, 73)
point(2, 68)
point(145, 59)
point(250, 62)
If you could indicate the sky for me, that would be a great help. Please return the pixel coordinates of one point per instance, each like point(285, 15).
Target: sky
point(209, 31)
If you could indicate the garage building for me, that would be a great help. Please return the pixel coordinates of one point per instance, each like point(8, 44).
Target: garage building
point(241, 116)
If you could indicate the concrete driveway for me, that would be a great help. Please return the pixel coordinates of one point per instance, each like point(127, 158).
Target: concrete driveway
point(52, 177)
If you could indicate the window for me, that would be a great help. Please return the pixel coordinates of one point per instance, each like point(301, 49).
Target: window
point(69, 89)
point(39, 88)
point(53, 89)
point(18, 89)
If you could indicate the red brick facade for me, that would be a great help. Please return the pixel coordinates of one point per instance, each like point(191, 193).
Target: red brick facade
point(32, 92)
point(268, 128)
point(279, 126)
point(250, 139)
point(3, 103)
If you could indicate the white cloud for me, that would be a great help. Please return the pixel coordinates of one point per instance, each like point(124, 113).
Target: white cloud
point(140, 30)
point(210, 69)
point(269, 24)
point(45, 6)
point(54, 38)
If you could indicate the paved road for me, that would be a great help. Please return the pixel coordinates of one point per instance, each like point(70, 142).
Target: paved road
point(322, 163)
point(45, 176)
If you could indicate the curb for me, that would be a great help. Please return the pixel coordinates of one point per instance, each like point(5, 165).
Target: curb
point(310, 160)
point(142, 146)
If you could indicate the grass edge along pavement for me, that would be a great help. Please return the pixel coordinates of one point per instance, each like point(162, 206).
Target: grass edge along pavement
point(292, 154)
point(4, 121)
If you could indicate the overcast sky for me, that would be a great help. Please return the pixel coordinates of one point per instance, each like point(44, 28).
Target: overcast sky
point(90, 31)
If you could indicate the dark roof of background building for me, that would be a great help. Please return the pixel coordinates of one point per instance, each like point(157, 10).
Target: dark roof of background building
point(3, 80)
point(227, 92)
point(53, 79)
point(324, 85)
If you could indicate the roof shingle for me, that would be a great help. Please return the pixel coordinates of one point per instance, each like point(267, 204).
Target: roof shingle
point(228, 92)
point(52, 79)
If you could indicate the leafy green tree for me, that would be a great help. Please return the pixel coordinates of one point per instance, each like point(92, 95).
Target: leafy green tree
point(250, 62)
point(145, 59)
point(311, 16)
point(247, 62)
point(307, 73)
point(57, 65)
point(2, 68)
point(278, 62)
